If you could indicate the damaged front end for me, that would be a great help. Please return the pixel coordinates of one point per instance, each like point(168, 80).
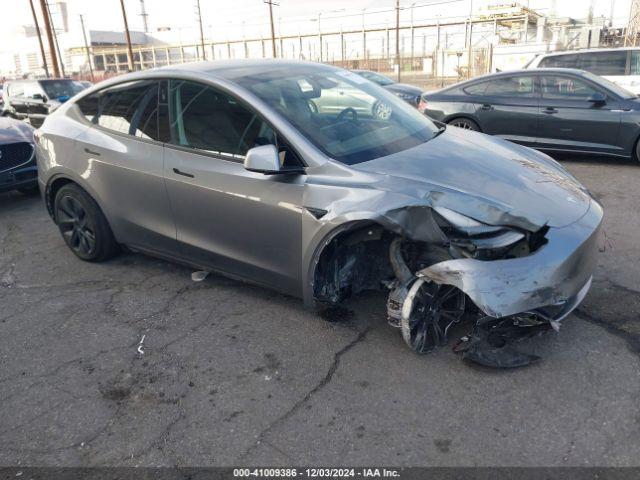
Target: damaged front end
point(442, 267)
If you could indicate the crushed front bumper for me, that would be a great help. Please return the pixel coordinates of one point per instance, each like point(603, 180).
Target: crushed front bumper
point(555, 278)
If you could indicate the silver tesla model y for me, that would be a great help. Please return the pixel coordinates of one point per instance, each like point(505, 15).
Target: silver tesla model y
point(314, 181)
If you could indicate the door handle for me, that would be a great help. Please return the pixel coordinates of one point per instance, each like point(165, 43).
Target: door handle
point(184, 174)
point(486, 106)
point(550, 110)
point(91, 152)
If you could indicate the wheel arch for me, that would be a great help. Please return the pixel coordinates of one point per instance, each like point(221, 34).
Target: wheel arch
point(59, 180)
point(324, 249)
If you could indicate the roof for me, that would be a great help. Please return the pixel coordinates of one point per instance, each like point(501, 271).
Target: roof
point(230, 69)
point(586, 50)
point(526, 71)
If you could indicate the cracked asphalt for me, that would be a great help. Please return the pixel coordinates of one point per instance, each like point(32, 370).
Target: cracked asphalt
point(234, 374)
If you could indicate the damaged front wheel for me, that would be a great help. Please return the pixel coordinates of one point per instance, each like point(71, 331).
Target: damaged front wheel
point(428, 312)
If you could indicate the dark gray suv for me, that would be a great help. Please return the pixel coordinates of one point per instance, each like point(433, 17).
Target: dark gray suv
point(35, 99)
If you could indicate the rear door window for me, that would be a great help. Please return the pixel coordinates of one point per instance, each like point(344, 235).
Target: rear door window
point(16, 89)
point(565, 88)
point(560, 61)
point(604, 63)
point(130, 108)
point(516, 86)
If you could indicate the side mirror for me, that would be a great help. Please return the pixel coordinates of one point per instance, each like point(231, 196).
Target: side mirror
point(598, 97)
point(39, 96)
point(263, 159)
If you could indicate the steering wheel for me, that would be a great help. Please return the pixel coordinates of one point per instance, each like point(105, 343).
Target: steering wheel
point(345, 112)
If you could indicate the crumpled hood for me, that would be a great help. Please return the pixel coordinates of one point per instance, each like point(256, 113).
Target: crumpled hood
point(486, 178)
point(12, 131)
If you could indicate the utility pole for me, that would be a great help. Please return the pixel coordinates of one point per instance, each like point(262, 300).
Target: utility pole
point(271, 3)
point(86, 46)
point(320, 33)
point(199, 15)
point(55, 41)
point(398, 37)
point(35, 21)
point(52, 47)
point(127, 35)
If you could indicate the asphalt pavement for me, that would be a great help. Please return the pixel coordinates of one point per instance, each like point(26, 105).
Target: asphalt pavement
point(131, 363)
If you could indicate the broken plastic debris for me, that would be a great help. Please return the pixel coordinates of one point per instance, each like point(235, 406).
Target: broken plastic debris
point(140, 345)
point(199, 276)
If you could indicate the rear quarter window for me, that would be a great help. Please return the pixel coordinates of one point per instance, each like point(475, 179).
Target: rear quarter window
point(476, 89)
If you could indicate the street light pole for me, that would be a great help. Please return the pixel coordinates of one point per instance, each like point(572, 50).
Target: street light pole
point(127, 35)
point(35, 21)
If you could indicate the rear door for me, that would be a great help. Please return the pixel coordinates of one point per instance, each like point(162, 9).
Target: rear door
point(243, 223)
point(570, 121)
point(122, 155)
point(508, 107)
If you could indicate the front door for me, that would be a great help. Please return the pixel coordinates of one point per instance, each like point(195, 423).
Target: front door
point(229, 219)
point(570, 121)
point(508, 108)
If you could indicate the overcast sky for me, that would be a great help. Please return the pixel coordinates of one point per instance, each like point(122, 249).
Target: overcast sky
point(224, 18)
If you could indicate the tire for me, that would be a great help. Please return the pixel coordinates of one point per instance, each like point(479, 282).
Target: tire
point(31, 191)
point(83, 226)
point(464, 123)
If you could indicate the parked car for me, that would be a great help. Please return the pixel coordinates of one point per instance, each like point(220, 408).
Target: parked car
point(225, 166)
point(620, 65)
point(33, 100)
point(561, 110)
point(408, 93)
point(18, 169)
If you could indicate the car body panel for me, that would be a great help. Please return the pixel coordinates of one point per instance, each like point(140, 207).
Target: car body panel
point(515, 187)
point(239, 222)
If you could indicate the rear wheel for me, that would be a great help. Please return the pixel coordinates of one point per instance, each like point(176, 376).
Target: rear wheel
point(83, 226)
point(464, 123)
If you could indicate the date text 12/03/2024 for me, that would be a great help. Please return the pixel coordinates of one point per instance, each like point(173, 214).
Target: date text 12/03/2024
point(316, 473)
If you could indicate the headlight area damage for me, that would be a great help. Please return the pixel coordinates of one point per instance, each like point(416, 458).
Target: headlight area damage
point(441, 267)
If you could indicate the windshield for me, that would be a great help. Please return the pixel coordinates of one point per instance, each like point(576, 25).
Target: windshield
point(347, 117)
point(61, 88)
point(614, 87)
point(376, 78)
